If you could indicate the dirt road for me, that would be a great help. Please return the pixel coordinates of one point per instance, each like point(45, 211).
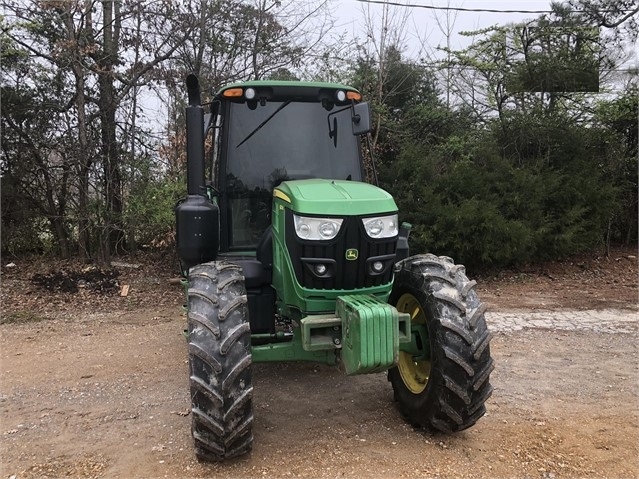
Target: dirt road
point(105, 394)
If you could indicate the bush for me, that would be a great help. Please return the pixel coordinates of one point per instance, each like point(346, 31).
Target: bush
point(150, 211)
point(485, 209)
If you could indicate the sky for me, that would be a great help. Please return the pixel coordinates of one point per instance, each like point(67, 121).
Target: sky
point(421, 32)
point(421, 27)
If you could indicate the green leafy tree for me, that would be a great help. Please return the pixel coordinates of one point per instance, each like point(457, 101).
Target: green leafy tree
point(617, 122)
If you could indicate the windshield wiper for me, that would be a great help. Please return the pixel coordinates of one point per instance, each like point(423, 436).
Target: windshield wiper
point(280, 108)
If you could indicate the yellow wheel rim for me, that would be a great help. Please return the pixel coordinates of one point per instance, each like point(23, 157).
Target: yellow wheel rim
point(415, 374)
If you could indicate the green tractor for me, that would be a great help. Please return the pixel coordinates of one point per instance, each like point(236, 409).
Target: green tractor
point(291, 256)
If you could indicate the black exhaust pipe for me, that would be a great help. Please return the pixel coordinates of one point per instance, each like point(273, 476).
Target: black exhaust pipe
point(194, 139)
point(197, 218)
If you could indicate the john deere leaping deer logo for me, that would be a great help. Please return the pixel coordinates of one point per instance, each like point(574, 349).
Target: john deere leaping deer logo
point(352, 254)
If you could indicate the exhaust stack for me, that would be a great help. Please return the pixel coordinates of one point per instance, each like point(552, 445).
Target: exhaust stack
point(194, 139)
point(197, 218)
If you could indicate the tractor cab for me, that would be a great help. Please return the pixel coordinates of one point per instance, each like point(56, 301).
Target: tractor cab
point(270, 132)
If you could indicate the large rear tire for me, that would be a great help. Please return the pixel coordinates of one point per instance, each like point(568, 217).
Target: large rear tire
point(219, 361)
point(442, 382)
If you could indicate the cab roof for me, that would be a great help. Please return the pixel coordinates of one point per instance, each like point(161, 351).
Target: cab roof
point(285, 90)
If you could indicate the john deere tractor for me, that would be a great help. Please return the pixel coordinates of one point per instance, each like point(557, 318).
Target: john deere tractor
point(291, 256)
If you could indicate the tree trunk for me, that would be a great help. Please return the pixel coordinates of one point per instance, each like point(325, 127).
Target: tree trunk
point(84, 165)
point(61, 237)
point(83, 158)
point(109, 147)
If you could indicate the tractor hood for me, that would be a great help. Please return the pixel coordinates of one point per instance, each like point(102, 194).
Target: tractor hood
point(335, 197)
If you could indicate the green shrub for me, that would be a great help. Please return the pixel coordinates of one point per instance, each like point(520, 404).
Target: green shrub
point(150, 211)
point(488, 210)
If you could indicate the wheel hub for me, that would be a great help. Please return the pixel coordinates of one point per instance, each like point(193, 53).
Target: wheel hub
point(415, 368)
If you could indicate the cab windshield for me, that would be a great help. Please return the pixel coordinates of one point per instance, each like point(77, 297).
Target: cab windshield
point(296, 141)
point(280, 141)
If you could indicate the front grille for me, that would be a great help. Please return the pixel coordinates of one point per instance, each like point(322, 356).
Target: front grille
point(342, 274)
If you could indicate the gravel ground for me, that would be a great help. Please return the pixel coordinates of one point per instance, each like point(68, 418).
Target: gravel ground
point(102, 391)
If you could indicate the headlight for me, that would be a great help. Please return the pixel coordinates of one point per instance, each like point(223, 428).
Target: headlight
point(316, 228)
point(249, 93)
point(381, 226)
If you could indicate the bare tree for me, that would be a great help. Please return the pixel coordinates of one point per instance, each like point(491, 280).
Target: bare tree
point(446, 24)
point(105, 51)
point(383, 33)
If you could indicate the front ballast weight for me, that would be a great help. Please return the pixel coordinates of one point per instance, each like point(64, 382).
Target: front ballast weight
point(431, 338)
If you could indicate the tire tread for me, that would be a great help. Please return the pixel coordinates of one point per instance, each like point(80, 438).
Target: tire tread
point(219, 362)
point(459, 383)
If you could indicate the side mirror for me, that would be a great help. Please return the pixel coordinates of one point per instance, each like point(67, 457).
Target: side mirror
point(361, 119)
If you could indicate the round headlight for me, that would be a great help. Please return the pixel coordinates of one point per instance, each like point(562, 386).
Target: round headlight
point(303, 230)
point(328, 230)
point(320, 269)
point(381, 226)
point(249, 93)
point(340, 95)
point(321, 229)
point(378, 266)
point(375, 227)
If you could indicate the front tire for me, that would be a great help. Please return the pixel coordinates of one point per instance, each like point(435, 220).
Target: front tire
point(442, 381)
point(219, 361)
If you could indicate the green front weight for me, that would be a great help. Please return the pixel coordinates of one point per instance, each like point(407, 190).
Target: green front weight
point(364, 334)
point(371, 331)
